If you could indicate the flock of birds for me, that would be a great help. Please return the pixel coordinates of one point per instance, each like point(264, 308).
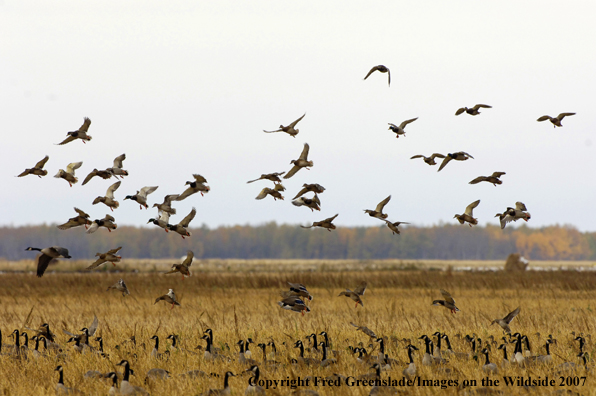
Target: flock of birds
point(295, 299)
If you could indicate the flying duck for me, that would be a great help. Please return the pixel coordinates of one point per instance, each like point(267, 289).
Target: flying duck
point(556, 121)
point(37, 169)
point(182, 227)
point(327, 223)
point(109, 256)
point(290, 129)
point(170, 298)
point(378, 212)
point(80, 133)
point(429, 160)
point(504, 323)
point(381, 69)
point(107, 222)
point(400, 130)
point(459, 156)
point(184, 267)
point(69, 173)
point(141, 196)
point(108, 199)
point(448, 303)
point(81, 220)
point(355, 295)
point(116, 169)
point(197, 186)
point(121, 287)
point(494, 178)
point(472, 111)
point(468, 216)
point(316, 188)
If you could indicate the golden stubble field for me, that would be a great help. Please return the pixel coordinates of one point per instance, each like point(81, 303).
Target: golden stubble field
point(239, 305)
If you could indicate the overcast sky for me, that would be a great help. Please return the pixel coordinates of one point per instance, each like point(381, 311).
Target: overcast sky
point(187, 87)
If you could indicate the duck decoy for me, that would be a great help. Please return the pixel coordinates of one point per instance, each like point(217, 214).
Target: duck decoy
point(468, 216)
point(116, 169)
point(109, 256)
point(356, 294)
point(448, 303)
point(459, 156)
point(378, 212)
point(183, 268)
point(290, 129)
point(81, 220)
point(221, 392)
point(37, 169)
point(327, 223)
point(104, 174)
point(301, 162)
point(556, 121)
point(182, 227)
point(166, 206)
point(429, 160)
point(380, 69)
point(47, 255)
point(196, 186)
point(393, 226)
point(126, 388)
point(274, 177)
point(120, 286)
point(80, 133)
point(514, 214)
point(69, 173)
point(141, 196)
point(170, 298)
point(504, 323)
point(494, 179)
point(316, 188)
point(108, 222)
point(400, 130)
point(108, 199)
point(473, 110)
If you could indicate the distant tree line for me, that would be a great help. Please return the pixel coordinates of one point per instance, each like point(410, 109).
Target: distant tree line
point(273, 241)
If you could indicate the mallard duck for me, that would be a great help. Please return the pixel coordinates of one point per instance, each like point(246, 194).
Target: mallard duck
point(504, 323)
point(184, 267)
point(81, 220)
point(117, 167)
point(104, 174)
point(141, 196)
point(381, 69)
point(378, 212)
point(300, 290)
point(365, 330)
point(459, 156)
point(86, 332)
point(316, 188)
point(290, 129)
point(162, 221)
point(197, 186)
point(294, 304)
point(400, 130)
point(274, 177)
point(448, 303)
point(126, 388)
point(270, 191)
point(488, 366)
point(556, 121)
point(108, 199)
point(355, 295)
point(472, 111)
point(327, 223)
point(47, 255)
point(166, 206)
point(80, 133)
point(69, 173)
point(37, 169)
point(429, 160)
point(311, 203)
point(170, 298)
point(300, 163)
point(109, 256)
point(494, 179)
point(181, 228)
point(393, 226)
point(468, 216)
point(514, 214)
point(221, 392)
point(108, 222)
point(63, 390)
point(121, 287)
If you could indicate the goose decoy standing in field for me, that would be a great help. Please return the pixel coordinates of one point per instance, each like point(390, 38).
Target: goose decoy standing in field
point(162, 221)
point(47, 255)
point(170, 298)
point(80, 133)
point(81, 220)
point(459, 156)
point(126, 388)
point(556, 121)
point(197, 186)
point(109, 256)
point(468, 215)
point(393, 226)
point(274, 177)
point(182, 227)
point(410, 371)
point(183, 268)
point(104, 174)
point(117, 168)
point(448, 303)
point(121, 287)
point(37, 169)
point(166, 206)
point(108, 199)
point(381, 69)
point(504, 323)
point(378, 212)
point(400, 130)
point(494, 179)
point(300, 290)
point(327, 223)
point(274, 192)
point(429, 160)
point(141, 196)
point(514, 214)
point(253, 388)
point(311, 203)
point(488, 366)
point(63, 390)
point(290, 129)
point(301, 162)
point(316, 188)
point(355, 295)
point(87, 332)
point(472, 111)
point(108, 222)
point(69, 173)
point(294, 304)
point(221, 392)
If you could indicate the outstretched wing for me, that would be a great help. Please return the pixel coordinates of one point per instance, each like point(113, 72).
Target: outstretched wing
point(186, 221)
point(96, 264)
point(374, 69)
point(73, 166)
point(69, 139)
point(81, 213)
point(42, 264)
point(147, 190)
point(85, 126)
point(445, 162)
point(563, 115)
point(460, 110)
point(330, 219)
point(118, 161)
point(304, 154)
point(114, 251)
point(42, 163)
point(292, 125)
point(417, 156)
point(109, 218)
point(301, 192)
point(382, 204)
point(93, 328)
point(437, 155)
point(403, 124)
point(478, 180)
point(199, 178)
point(471, 207)
point(511, 315)
point(263, 193)
point(292, 172)
point(90, 176)
point(447, 296)
point(478, 106)
point(188, 260)
point(520, 206)
point(544, 118)
point(360, 289)
point(498, 174)
point(112, 189)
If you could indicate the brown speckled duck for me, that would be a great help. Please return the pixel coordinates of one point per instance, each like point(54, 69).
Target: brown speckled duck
point(472, 111)
point(556, 121)
point(37, 169)
point(468, 217)
point(380, 69)
point(290, 129)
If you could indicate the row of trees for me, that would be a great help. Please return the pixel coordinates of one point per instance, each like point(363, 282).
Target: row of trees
point(445, 242)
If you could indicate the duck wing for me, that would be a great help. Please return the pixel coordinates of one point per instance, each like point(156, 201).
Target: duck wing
point(447, 297)
point(445, 162)
point(483, 106)
point(292, 125)
point(544, 118)
point(186, 221)
point(118, 161)
point(73, 166)
point(81, 213)
point(42, 163)
point(360, 289)
point(406, 122)
point(112, 189)
point(292, 172)
point(471, 207)
point(563, 115)
point(511, 315)
point(382, 204)
point(85, 126)
point(188, 260)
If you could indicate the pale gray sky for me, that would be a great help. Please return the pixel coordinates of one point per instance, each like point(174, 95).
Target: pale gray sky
point(187, 87)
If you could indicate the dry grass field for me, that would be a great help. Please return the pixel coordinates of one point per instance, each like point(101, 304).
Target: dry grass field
point(241, 304)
